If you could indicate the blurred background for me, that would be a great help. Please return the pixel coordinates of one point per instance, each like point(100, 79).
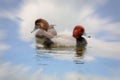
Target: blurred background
point(20, 60)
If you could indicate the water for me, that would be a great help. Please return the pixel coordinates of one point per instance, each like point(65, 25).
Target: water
point(26, 63)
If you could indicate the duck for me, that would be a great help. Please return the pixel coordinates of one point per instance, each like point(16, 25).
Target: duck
point(41, 24)
point(78, 33)
point(45, 32)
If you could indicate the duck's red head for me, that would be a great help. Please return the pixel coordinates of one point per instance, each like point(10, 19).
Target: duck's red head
point(78, 31)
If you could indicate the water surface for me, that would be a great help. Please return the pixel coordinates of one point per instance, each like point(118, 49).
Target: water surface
point(23, 62)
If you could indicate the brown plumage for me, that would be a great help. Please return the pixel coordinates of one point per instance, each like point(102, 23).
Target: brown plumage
point(78, 31)
point(42, 24)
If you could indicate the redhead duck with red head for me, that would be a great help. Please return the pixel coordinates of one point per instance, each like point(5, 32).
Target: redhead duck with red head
point(78, 32)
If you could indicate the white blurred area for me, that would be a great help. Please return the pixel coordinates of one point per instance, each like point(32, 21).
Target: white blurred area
point(64, 40)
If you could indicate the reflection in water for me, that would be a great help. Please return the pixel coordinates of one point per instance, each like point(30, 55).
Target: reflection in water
point(42, 57)
point(80, 52)
point(80, 49)
point(45, 55)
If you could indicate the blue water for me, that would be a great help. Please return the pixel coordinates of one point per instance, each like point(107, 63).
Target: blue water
point(55, 64)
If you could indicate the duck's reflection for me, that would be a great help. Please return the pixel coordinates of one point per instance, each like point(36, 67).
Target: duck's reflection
point(80, 50)
point(81, 44)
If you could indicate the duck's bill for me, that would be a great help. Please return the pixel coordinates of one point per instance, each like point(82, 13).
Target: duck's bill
point(85, 34)
point(33, 30)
